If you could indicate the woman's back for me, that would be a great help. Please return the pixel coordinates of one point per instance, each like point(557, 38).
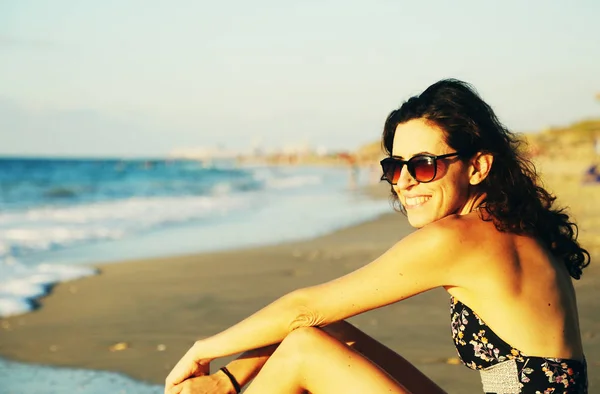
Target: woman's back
point(518, 289)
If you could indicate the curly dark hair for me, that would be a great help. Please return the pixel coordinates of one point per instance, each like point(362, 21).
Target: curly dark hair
point(515, 200)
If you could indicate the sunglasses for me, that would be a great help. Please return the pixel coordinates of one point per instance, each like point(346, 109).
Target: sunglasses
point(422, 168)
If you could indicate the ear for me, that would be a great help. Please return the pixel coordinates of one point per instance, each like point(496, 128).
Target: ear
point(480, 167)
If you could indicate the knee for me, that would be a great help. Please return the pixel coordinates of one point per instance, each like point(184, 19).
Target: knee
point(303, 341)
point(296, 348)
point(304, 334)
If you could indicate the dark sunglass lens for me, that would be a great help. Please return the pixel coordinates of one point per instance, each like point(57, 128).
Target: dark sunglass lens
point(391, 170)
point(423, 168)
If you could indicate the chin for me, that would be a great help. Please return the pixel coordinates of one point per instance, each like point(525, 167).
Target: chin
point(417, 221)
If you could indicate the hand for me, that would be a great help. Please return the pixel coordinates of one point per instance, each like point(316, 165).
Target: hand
point(217, 383)
point(189, 366)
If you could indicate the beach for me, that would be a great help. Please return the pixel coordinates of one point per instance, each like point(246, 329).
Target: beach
point(139, 317)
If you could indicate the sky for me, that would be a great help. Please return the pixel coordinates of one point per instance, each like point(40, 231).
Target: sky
point(146, 77)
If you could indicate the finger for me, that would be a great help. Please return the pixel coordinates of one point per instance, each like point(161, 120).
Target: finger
point(182, 366)
point(174, 390)
point(174, 378)
point(171, 381)
point(186, 367)
point(179, 373)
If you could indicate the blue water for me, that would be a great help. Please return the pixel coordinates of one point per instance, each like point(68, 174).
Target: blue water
point(19, 378)
point(57, 217)
point(28, 183)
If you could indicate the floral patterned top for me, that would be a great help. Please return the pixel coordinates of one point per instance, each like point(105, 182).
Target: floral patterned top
point(480, 348)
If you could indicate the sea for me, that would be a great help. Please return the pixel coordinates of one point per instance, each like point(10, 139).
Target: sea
point(59, 217)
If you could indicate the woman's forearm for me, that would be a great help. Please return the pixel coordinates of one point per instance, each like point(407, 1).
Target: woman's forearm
point(248, 365)
point(266, 327)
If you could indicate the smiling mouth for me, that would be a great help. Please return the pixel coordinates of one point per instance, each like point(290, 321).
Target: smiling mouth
point(415, 202)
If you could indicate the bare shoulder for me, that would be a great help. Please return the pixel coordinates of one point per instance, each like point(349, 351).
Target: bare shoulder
point(463, 243)
point(453, 233)
point(441, 254)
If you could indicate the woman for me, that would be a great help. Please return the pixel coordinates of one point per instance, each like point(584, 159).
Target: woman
point(488, 233)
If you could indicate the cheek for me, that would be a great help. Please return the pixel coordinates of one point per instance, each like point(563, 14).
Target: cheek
point(456, 196)
point(452, 196)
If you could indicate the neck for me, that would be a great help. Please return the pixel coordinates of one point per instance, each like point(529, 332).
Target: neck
point(473, 204)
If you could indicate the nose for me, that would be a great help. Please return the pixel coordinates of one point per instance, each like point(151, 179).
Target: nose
point(405, 181)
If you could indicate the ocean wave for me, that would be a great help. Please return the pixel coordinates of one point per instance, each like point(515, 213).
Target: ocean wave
point(50, 228)
point(28, 183)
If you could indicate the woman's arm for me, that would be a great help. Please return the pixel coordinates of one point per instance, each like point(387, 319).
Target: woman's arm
point(417, 263)
point(249, 364)
point(268, 326)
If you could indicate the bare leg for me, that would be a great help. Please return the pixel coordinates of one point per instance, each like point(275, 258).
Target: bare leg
point(387, 359)
point(309, 359)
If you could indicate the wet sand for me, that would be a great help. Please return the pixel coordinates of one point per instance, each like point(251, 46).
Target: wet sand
point(139, 317)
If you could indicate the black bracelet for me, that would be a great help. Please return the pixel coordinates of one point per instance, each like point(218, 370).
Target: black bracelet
point(234, 382)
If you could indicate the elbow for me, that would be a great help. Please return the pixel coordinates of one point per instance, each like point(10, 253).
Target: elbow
point(303, 312)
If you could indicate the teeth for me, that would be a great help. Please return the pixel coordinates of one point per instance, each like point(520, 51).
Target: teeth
point(416, 200)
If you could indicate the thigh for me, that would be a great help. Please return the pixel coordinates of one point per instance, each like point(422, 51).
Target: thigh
point(321, 364)
point(387, 359)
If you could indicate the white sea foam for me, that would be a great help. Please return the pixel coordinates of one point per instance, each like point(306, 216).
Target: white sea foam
point(20, 285)
point(11, 305)
point(48, 228)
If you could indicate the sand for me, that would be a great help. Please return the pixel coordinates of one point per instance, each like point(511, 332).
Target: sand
point(139, 317)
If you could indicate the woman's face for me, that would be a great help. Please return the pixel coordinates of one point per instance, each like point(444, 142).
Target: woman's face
point(448, 193)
